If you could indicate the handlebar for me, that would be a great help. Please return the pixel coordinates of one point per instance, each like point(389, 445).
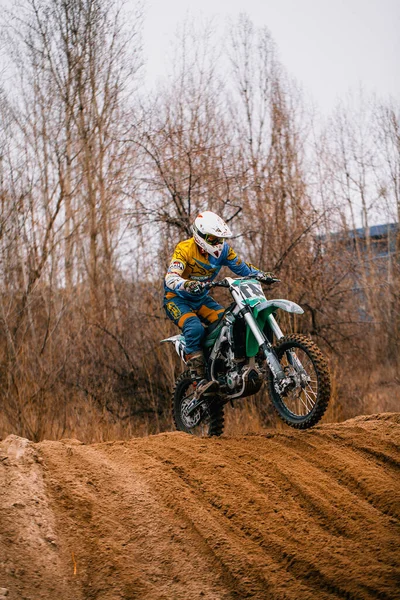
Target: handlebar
point(213, 284)
point(223, 283)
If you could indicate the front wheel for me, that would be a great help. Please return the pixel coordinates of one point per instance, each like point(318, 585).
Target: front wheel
point(304, 402)
point(205, 421)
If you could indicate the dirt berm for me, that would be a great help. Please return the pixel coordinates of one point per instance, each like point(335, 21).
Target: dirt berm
point(290, 515)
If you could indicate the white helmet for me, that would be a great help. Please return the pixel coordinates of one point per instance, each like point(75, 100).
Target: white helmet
point(209, 232)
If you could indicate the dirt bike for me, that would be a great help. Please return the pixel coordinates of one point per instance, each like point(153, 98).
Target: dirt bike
point(244, 348)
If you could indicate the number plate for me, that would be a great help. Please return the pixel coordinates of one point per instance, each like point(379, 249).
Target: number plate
point(250, 291)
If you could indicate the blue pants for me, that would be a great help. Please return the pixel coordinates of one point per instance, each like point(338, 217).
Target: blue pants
point(190, 315)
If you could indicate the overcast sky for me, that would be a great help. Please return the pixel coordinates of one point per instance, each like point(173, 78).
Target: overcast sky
point(329, 46)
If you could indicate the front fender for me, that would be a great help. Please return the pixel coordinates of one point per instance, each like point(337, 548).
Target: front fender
point(273, 305)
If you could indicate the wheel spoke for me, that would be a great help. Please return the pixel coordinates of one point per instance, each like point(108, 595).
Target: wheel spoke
point(311, 390)
point(301, 401)
point(312, 402)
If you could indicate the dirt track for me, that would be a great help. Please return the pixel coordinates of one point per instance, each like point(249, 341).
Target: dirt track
point(291, 515)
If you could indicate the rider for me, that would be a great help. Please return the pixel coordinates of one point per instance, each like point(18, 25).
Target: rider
point(197, 261)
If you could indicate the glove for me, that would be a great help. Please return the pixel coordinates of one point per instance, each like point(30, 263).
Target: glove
point(266, 276)
point(193, 287)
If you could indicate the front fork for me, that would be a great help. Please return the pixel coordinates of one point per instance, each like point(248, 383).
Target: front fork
point(292, 358)
point(281, 381)
point(271, 358)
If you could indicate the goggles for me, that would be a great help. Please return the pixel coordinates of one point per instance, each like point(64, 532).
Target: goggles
point(213, 240)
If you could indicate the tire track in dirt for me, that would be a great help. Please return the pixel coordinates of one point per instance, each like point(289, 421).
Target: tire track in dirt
point(223, 544)
point(270, 547)
point(158, 546)
point(375, 485)
point(29, 542)
point(381, 458)
point(235, 544)
point(329, 584)
point(280, 516)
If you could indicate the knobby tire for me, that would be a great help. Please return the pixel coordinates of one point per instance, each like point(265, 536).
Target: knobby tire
point(320, 365)
point(216, 409)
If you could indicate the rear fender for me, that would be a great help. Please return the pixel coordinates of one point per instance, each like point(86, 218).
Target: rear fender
point(179, 343)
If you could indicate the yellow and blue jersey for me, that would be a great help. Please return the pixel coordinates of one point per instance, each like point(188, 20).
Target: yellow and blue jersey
point(189, 262)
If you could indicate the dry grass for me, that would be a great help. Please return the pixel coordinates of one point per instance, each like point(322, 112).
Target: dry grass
point(353, 394)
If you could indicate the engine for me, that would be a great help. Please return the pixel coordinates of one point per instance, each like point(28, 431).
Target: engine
point(244, 379)
point(239, 376)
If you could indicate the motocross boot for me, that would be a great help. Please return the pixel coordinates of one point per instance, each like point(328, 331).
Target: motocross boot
point(197, 368)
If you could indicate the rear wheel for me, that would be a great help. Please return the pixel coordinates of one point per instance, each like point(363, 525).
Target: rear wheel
point(303, 404)
point(205, 421)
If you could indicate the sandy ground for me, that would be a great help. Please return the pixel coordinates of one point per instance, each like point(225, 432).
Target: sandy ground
point(286, 516)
